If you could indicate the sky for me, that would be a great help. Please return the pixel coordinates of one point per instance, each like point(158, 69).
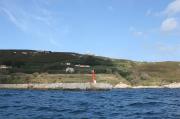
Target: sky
point(140, 30)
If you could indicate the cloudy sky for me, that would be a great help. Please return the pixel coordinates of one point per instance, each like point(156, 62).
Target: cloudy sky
point(142, 30)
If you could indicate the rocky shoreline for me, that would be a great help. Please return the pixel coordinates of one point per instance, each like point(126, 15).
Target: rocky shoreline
point(172, 85)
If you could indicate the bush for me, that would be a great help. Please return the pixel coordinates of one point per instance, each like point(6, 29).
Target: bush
point(123, 72)
point(35, 74)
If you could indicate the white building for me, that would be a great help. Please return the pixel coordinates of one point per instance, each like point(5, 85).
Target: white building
point(69, 70)
point(68, 63)
point(80, 65)
point(3, 67)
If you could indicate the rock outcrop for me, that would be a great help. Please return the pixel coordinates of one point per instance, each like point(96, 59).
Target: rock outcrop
point(122, 85)
point(172, 85)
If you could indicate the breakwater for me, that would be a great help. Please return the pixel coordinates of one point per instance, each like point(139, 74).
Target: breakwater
point(65, 86)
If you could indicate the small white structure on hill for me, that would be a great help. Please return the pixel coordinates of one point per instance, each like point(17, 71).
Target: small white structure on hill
point(4, 67)
point(79, 65)
point(69, 70)
point(68, 63)
point(24, 53)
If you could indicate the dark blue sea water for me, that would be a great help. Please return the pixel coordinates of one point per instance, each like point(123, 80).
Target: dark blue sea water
point(114, 104)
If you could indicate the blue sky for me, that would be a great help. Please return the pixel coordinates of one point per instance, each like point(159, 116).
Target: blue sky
point(142, 30)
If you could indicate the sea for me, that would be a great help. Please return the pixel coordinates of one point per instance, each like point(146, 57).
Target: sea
point(112, 104)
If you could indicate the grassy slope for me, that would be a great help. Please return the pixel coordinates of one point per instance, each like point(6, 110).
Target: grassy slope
point(148, 73)
point(111, 71)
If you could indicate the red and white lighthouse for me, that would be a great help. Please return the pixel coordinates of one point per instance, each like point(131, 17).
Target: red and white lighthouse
point(93, 76)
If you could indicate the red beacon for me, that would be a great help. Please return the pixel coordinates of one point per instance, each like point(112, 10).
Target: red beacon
point(93, 76)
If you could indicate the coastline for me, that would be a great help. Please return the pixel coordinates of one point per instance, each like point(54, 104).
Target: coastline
point(171, 85)
point(81, 86)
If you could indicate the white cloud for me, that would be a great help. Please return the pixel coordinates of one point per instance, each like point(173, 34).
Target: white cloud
point(152, 13)
point(135, 32)
point(20, 23)
point(169, 25)
point(37, 20)
point(25, 19)
point(138, 33)
point(173, 8)
point(171, 14)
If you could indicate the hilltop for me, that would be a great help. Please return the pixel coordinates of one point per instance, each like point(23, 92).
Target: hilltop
point(22, 66)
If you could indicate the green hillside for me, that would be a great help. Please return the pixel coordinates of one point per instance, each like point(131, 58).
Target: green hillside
point(29, 65)
point(30, 61)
